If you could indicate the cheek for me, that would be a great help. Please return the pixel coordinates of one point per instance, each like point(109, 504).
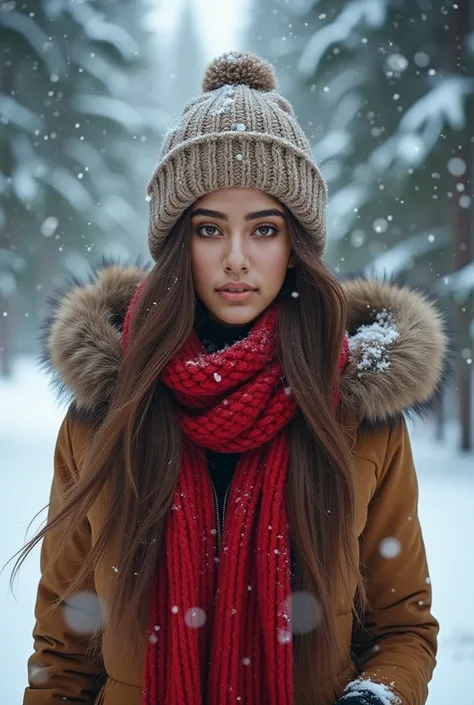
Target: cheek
point(201, 263)
point(273, 262)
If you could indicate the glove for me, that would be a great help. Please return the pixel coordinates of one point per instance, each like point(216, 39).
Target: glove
point(353, 698)
point(365, 692)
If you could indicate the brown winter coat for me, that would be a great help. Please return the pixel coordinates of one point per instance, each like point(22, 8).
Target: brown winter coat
point(398, 645)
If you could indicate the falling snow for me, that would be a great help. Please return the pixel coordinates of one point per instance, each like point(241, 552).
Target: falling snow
point(38, 675)
point(284, 636)
point(390, 547)
point(85, 612)
point(397, 62)
point(457, 166)
point(49, 226)
point(195, 617)
point(302, 611)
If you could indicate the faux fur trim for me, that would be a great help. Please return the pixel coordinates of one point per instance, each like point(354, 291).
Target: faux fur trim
point(81, 338)
point(398, 344)
point(400, 357)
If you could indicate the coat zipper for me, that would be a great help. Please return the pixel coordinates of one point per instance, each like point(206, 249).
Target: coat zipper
point(220, 528)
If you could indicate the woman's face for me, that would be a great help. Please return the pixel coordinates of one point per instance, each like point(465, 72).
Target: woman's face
point(239, 236)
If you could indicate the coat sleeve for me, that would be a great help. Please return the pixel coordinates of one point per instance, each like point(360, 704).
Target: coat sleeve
point(59, 668)
point(398, 642)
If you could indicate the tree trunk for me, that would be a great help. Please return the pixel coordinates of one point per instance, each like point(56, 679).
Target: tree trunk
point(461, 234)
point(440, 418)
point(7, 293)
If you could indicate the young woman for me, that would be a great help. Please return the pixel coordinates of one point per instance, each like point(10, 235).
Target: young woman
point(233, 516)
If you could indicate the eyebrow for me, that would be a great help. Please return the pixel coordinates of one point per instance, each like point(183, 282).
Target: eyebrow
point(249, 216)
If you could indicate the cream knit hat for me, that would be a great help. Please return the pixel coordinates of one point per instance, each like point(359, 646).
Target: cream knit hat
point(238, 132)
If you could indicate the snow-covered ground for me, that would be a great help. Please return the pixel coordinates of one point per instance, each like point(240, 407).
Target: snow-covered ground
point(29, 421)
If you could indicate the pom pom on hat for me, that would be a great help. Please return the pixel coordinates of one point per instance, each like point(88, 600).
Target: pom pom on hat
point(239, 68)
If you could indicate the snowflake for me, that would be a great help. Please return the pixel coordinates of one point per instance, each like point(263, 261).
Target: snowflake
point(284, 636)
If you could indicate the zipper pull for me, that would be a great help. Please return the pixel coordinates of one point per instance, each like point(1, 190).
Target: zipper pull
point(218, 521)
point(220, 527)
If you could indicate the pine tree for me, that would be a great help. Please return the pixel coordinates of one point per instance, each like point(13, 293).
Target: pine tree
point(73, 160)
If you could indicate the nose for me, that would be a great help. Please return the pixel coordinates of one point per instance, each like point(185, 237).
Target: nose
point(236, 257)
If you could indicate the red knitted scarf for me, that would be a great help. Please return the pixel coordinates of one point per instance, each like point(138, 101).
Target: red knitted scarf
point(220, 630)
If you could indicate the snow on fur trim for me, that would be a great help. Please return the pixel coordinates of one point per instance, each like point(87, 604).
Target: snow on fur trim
point(398, 361)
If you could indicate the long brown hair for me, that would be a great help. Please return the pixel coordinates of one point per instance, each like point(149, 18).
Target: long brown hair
point(135, 453)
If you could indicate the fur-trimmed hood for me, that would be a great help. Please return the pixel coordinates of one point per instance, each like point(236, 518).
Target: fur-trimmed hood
point(398, 359)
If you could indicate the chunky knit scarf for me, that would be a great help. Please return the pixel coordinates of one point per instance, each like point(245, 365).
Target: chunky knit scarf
point(220, 627)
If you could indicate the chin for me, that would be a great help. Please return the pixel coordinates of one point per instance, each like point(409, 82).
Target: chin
point(235, 315)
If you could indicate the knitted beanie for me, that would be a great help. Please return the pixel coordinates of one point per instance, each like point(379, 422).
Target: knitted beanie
point(239, 132)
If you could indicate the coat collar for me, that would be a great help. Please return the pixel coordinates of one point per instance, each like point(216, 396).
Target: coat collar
point(398, 345)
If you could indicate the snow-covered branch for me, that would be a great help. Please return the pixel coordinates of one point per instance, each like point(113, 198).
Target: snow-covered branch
point(420, 128)
point(97, 29)
point(130, 118)
point(460, 284)
point(11, 111)
point(36, 38)
point(443, 104)
point(400, 257)
point(343, 206)
point(371, 13)
point(69, 188)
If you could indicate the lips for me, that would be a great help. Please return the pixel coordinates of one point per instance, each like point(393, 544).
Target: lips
point(236, 288)
point(237, 295)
